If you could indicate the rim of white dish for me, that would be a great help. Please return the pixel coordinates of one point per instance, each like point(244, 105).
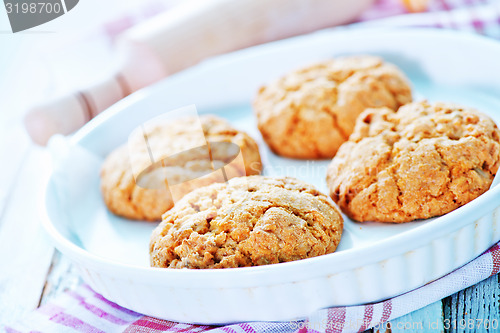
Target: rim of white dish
point(289, 271)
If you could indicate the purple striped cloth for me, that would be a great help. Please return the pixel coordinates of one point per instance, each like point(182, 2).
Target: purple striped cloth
point(83, 310)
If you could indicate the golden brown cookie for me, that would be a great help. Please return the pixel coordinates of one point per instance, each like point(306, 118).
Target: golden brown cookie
point(247, 221)
point(310, 112)
point(186, 168)
point(422, 161)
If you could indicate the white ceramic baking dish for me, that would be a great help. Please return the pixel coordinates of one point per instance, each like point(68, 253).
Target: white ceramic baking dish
point(373, 262)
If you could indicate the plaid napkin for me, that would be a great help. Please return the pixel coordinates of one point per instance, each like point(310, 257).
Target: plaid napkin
point(83, 310)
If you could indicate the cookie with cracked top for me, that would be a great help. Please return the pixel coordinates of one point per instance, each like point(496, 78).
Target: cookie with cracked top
point(310, 112)
point(248, 221)
point(189, 168)
point(422, 161)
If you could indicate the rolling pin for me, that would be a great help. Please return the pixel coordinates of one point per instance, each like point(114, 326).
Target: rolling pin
point(182, 37)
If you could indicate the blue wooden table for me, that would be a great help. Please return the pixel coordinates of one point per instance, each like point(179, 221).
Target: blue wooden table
point(475, 309)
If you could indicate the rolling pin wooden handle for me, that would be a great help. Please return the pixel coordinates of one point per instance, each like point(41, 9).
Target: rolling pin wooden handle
point(68, 113)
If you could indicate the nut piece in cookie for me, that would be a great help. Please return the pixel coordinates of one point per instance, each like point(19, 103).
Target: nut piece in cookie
point(248, 221)
point(422, 161)
point(310, 112)
point(150, 193)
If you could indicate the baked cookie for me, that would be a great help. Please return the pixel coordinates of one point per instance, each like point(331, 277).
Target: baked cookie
point(310, 112)
point(248, 221)
point(422, 161)
point(180, 164)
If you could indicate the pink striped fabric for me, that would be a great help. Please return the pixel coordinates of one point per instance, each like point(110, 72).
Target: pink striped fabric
point(83, 310)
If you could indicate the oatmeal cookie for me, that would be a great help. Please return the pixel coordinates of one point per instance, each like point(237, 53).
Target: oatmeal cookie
point(422, 161)
point(188, 168)
point(310, 112)
point(247, 221)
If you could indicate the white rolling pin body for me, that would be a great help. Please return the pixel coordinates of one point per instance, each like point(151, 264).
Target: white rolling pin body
point(181, 37)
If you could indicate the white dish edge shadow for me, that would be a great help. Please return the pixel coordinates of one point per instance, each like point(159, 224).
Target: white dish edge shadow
point(294, 290)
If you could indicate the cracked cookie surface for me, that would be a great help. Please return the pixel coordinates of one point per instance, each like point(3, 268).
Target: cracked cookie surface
point(186, 166)
point(310, 112)
point(248, 221)
point(422, 161)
